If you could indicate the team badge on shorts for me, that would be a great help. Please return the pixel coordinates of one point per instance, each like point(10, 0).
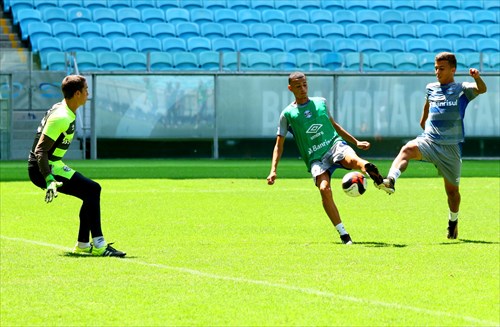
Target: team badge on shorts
point(66, 169)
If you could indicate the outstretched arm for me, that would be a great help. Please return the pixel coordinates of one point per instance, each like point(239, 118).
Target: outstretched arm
point(277, 152)
point(480, 85)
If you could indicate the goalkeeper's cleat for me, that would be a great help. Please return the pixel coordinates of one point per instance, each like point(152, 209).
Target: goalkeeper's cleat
point(79, 250)
point(372, 171)
point(346, 239)
point(107, 251)
point(388, 185)
point(452, 229)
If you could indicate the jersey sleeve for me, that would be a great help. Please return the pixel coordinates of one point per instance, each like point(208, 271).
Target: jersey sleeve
point(468, 89)
point(54, 127)
point(283, 125)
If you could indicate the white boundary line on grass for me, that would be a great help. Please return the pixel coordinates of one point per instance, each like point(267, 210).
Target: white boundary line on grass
point(305, 290)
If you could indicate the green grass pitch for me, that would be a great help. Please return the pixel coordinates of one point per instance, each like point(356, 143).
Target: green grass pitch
point(209, 243)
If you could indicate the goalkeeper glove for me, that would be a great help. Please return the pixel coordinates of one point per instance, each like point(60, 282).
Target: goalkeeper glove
point(52, 186)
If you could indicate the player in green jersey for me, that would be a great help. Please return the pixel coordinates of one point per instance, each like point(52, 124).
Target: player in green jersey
point(47, 170)
point(321, 143)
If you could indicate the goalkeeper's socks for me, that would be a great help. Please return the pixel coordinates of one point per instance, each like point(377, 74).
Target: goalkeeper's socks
point(453, 216)
point(99, 242)
point(341, 229)
point(394, 173)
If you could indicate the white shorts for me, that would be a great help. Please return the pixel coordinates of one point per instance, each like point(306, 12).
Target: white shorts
point(331, 160)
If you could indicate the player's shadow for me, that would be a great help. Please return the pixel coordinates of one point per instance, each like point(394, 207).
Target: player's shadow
point(78, 255)
point(381, 245)
point(461, 241)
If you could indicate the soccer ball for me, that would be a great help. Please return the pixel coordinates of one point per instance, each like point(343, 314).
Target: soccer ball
point(354, 183)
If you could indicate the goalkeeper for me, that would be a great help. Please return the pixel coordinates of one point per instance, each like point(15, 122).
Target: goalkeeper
point(47, 170)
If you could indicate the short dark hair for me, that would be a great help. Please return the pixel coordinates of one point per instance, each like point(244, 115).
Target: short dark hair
point(295, 75)
point(447, 56)
point(71, 84)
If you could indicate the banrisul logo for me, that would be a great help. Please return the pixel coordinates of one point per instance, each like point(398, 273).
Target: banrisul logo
point(314, 128)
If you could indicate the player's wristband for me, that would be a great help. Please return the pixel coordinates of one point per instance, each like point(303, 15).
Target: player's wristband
point(49, 179)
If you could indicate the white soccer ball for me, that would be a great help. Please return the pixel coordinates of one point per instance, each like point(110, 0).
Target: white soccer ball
point(354, 183)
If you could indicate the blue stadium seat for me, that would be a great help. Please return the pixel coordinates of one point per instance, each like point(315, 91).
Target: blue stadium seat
point(380, 5)
point(308, 31)
point(438, 17)
point(167, 4)
point(99, 44)
point(260, 31)
point(368, 17)
point(461, 17)
point(199, 44)
point(238, 5)
point(308, 61)
point(403, 31)
point(417, 45)
point(494, 63)
point(356, 5)
point(309, 4)
point(236, 31)
point(202, 16)
point(149, 44)
point(191, 4)
point(345, 45)
point(215, 4)
point(114, 30)
point(464, 45)
point(403, 5)
point(36, 31)
point(68, 4)
point(392, 45)
point(138, 30)
point(118, 4)
point(231, 60)
point(226, 16)
point(249, 16)
point(284, 31)
point(74, 44)
point(485, 16)
point(143, 4)
point(272, 45)
point(285, 5)
point(381, 61)
point(474, 31)
point(259, 61)
point(79, 15)
point(297, 17)
point(491, 5)
point(174, 44)
point(406, 61)
point(185, 61)
point(451, 31)
point(124, 44)
point(18, 5)
point(160, 61)
point(473, 59)
point(56, 61)
point(344, 17)
point(440, 45)
point(461, 61)
point(209, 60)
point(357, 61)
point(26, 17)
point(333, 60)
point(152, 16)
point(380, 31)
point(426, 5)
point(247, 45)
point(177, 15)
point(187, 30)
point(493, 31)
point(284, 61)
point(109, 61)
point(134, 61)
point(391, 16)
point(93, 4)
point(47, 45)
point(356, 31)
point(427, 31)
point(296, 46)
point(471, 5)
point(320, 17)
point(212, 30)
point(63, 30)
point(104, 15)
point(54, 14)
point(261, 4)
point(320, 45)
point(128, 15)
point(368, 45)
point(333, 31)
point(87, 61)
point(448, 5)
point(223, 45)
point(273, 16)
point(332, 5)
point(415, 17)
point(488, 45)
point(163, 30)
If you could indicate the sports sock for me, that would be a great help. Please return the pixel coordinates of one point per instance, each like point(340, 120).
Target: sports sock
point(83, 245)
point(99, 242)
point(341, 229)
point(453, 216)
point(394, 173)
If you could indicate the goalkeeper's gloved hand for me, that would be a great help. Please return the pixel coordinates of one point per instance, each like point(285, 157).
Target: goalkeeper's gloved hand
point(52, 186)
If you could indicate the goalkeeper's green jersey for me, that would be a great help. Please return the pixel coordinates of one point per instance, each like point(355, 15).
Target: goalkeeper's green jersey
point(311, 128)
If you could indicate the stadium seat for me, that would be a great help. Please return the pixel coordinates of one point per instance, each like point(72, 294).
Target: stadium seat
point(173, 45)
point(297, 17)
point(93, 4)
point(380, 31)
point(152, 16)
point(485, 16)
point(403, 31)
point(99, 44)
point(356, 5)
point(488, 45)
point(272, 45)
point(438, 17)
point(448, 5)
point(493, 31)
point(381, 61)
point(344, 17)
point(464, 45)
point(79, 15)
point(87, 61)
point(309, 4)
point(296, 46)
point(56, 61)
point(392, 45)
point(167, 4)
point(471, 5)
point(461, 17)
point(345, 45)
point(427, 31)
point(426, 5)
point(114, 30)
point(226, 16)
point(212, 30)
point(104, 15)
point(148, 44)
point(234, 61)
point(26, 17)
point(202, 16)
point(246, 45)
point(320, 45)
point(214, 4)
point(63, 30)
point(68, 4)
point(332, 5)
point(380, 5)
point(191, 4)
point(368, 45)
point(118, 4)
point(109, 61)
point(491, 5)
point(138, 30)
point(185, 61)
point(236, 31)
point(368, 17)
point(259, 61)
point(461, 61)
point(308, 31)
point(333, 60)
point(54, 14)
point(238, 5)
point(186, 30)
point(415, 17)
point(284, 31)
point(18, 5)
point(177, 15)
point(128, 15)
point(333, 31)
point(261, 4)
point(391, 16)
point(163, 30)
point(284, 61)
point(417, 45)
point(308, 61)
point(403, 5)
point(143, 4)
point(474, 31)
point(494, 61)
point(209, 60)
point(260, 31)
point(273, 16)
point(356, 31)
point(135, 61)
point(199, 44)
point(36, 31)
point(223, 45)
point(406, 61)
point(440, 45)
point(124, 44)
point(450, 31)
point(357, 61)
point(74, 44)
point(320, 17)
point(285, 5)
point(249, 16)
point(47, 45)
point(159, 61)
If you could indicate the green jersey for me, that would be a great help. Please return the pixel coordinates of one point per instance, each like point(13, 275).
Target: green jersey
point(311, 128)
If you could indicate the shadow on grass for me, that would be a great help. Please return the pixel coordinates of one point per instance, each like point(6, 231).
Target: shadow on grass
point(80, 255)
point(381, 245)
point(461, 241)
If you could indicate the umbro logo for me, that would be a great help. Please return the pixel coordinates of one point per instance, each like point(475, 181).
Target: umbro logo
point(314, 128)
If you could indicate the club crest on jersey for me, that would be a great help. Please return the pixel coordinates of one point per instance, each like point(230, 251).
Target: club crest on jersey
point(308, 114)
point(314, 128)
point(66, 168)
